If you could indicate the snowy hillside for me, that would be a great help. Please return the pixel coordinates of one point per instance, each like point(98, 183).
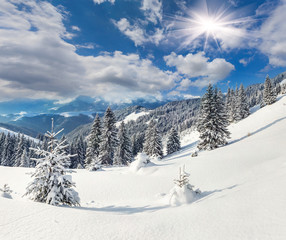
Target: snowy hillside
point(243, 193)
point(6, 131)
point(131, 117)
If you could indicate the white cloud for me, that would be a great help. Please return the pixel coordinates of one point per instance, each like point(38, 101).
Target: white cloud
point(86, 46)
point(198, 66)
point(138, 34)
point(37, 62)
point(75, 28)
point(273, 37)
point(243, 61)
point(102, 1)
point(152, 10)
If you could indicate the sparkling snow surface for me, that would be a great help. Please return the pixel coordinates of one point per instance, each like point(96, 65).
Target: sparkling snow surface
point(243, 193)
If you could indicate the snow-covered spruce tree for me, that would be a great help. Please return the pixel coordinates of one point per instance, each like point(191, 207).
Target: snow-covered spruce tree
point(6, 191)
point(123, 154)
point(51, 184)
point(173, 142)
point(147, 138)
point(221, 121)
point(156, 149)
point(137, 142)
point(80, 152)
point(228, 105)
point(93, 143)
point(269, 95)
point(108, 138)
point(20, 147)
point(8, 151)
point(183, 192)
point(24, 159)
point(236, 113)
point(212, 121)
point(243, 106)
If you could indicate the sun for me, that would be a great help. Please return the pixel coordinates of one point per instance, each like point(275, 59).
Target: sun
point(207, 26)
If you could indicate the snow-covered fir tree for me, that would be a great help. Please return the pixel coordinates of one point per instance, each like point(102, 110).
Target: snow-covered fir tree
point(24, 159)
point(228, 104)
point(80, 150)
point(123, 154)
point(269, 94)
point(183, 192)
point(231, 106)
point(221, 121)
point(51, 184)
point(8, 151)
point(173, 142)
point(243, 106)
point(108, 138)
point(148, 135)
point(93, 142)
point(212, 121)
point(153, 143)
point(137, 142)
point(20, 147)
point(236, 104)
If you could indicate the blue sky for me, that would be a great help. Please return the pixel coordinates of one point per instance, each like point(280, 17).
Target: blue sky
point(121, 50)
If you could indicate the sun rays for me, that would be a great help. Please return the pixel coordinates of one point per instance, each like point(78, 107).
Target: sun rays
point(206, 25)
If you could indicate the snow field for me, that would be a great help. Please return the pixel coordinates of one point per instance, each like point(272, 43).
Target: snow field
point(243, 193)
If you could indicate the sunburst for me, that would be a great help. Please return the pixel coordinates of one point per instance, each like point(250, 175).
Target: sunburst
point(205, 25)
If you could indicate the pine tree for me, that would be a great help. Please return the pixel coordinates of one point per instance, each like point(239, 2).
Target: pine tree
point(51, 184)
point(173, 142)
point(242, 103)
point(123, 154)
point(236, 104)
point(8, 151)
point(212, 121)
point(269, 95)
point(94, 139)
point(108, 138)
point(21, 146)
point(137, 142)
point(231, 107)
point(220, 118)
point(80, 152)
point(147, 148)
point(24, 159)
point(153, 144)
point(2, 142)
point(228, 104)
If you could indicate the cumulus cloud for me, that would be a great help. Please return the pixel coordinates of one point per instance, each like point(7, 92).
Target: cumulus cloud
point(152, 10)
point(137, 31)
point(273, 38)
point(37, 61)
point(138, 34)
point(199, 66)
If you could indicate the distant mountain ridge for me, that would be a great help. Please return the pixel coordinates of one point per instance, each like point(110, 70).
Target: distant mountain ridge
point(75, 117)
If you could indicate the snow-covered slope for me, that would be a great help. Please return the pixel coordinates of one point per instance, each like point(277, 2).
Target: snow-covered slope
point(243, 193)
point(6, 131)
point(133, 116)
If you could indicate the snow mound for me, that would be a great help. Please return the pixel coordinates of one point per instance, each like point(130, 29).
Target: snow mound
point(141, 161)
point(181, 195)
